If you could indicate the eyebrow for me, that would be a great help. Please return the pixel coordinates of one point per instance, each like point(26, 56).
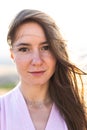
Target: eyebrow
point(27, 44)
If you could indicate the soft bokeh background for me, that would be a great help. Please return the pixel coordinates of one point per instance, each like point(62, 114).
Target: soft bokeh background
point(70, 15)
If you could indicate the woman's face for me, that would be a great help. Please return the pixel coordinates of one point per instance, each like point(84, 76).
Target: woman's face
point(33, 58)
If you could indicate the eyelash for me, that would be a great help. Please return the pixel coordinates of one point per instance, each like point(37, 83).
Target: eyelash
point(23, 49)
point(43, 48)
point(46, 47)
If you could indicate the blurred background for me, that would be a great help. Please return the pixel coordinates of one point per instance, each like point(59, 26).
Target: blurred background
point(70, 16)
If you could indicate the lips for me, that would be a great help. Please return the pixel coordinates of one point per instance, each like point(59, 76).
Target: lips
point(37, 73)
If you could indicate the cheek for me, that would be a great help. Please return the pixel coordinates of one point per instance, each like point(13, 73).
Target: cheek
point(20, 62)
point(52, 62)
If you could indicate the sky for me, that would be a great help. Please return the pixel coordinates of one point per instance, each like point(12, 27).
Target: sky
point(69, 15)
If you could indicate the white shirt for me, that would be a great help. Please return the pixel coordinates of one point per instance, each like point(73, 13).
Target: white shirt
point(14, 114)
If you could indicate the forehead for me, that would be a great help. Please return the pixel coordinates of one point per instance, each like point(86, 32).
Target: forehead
point(30, 29)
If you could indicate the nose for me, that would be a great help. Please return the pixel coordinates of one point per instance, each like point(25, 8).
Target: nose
point(36, 59)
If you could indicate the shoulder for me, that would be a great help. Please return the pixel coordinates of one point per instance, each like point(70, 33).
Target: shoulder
point(6, 98)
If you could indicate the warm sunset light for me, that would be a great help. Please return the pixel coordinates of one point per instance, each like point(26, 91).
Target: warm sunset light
point(70, 15)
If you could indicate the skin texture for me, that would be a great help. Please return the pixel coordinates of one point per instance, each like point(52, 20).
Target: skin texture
point(63, 87)
point(33, 58)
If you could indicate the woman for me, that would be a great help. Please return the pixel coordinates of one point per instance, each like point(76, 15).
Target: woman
point(47, 97)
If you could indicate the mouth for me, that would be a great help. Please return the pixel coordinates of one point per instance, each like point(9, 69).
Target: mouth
point(37, 73)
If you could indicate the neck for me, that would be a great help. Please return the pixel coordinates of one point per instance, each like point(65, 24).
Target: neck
point(35, 93)
point(38, 104)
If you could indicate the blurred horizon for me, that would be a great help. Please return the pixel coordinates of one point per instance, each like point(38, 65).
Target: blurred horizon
point(9, 75)
point(70, 16)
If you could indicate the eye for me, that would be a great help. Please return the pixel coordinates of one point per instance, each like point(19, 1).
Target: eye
point(46, 47)
point(24, 49)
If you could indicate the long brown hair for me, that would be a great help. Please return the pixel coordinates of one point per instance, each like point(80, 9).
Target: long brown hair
point(64, 86)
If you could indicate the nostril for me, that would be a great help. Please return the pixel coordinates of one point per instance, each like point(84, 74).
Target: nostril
point(37, 60)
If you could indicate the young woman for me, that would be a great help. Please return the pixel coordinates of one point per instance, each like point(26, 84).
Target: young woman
point(47, 97)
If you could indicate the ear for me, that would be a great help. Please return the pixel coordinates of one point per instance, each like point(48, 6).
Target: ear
point(12, 54)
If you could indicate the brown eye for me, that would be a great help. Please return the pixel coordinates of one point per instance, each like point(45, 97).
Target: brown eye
point(23, 49)
point(46, 47)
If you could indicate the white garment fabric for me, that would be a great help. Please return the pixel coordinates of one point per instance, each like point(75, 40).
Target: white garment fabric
point(14, 114)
